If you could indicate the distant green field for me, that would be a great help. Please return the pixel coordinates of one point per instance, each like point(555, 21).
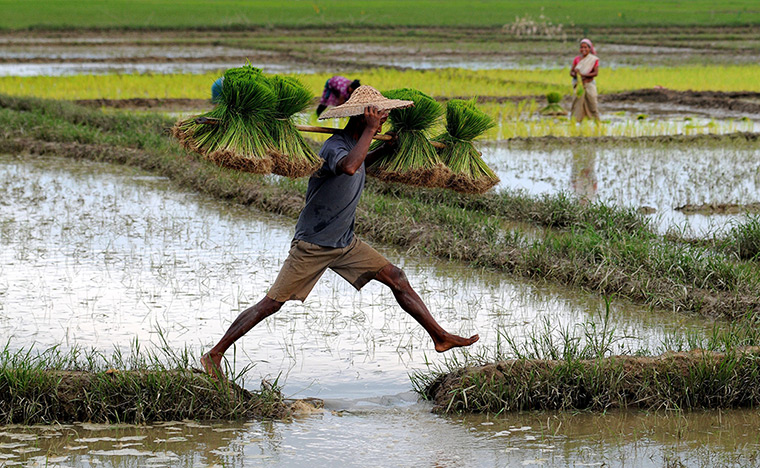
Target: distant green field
point(235, 13)
point(446, 82)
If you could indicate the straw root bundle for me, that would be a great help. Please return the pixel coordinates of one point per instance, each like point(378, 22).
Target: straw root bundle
point(553, 107)
point(240, 138)
point(414, 160)
point(464, 123)
point(292, 155)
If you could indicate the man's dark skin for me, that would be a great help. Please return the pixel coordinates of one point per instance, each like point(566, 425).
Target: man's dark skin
point(362, 128)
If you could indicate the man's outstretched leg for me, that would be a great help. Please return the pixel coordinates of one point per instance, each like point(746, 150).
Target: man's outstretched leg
point(408, 299)
point(212, 360)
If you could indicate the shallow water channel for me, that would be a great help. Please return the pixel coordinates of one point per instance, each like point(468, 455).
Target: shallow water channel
point(660, 180)
point(98, 256)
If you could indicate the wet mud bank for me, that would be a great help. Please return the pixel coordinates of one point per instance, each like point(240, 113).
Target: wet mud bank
point(737, 138)
point(683, 380)
point(719, 208)
point(742, 102)
point(30, 396)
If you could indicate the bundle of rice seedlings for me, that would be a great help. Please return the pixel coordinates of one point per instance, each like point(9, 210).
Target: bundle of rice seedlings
point(292, 156)
point(553, 108)
point(414, 160)
point(464, 123)
point(240, 138)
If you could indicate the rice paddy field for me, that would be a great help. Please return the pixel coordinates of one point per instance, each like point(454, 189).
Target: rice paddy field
point(633, 237)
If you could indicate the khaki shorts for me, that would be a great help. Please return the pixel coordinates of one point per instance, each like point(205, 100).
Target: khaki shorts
point(358, 263)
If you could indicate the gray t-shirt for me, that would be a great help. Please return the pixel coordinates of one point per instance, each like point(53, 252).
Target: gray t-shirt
point(331, 198)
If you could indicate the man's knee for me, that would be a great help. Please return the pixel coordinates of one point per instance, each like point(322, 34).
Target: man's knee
point(394, 277)
point(269, 306)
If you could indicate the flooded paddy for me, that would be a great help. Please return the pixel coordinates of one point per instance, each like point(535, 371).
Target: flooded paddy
point(659, 180)
point(98, 256)
point(306, 49)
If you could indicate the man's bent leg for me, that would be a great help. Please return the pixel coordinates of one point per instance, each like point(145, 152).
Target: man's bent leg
point(408, 299)
point(212, 360)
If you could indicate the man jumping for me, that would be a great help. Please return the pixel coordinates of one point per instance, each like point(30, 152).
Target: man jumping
point(324, 236)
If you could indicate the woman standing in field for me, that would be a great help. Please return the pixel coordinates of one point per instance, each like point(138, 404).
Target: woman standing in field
point(585, 65)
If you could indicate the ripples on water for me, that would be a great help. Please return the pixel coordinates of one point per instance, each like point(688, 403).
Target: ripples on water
point(96, 256)
point(653, 176)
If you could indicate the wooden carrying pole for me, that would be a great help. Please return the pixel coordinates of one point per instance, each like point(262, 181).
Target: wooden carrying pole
point(313, 129)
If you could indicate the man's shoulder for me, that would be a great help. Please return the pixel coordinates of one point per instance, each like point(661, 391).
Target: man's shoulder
point(339, 139)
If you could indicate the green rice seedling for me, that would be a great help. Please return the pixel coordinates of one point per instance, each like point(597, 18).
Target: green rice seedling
point(464, 123)
point(414, 160)
point(553, 107)
point(240, 136)
point(293, 157)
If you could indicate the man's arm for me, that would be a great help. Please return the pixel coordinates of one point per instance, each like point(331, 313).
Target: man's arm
point(373, 122)
point(382, 151)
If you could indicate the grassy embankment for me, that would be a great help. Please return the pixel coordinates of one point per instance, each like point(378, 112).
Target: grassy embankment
point(237, 13)
point(55, 386)
point(515, 118)
point(562, 368)
point(594, 247)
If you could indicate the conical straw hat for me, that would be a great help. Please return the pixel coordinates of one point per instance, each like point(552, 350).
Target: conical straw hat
point(362, 97)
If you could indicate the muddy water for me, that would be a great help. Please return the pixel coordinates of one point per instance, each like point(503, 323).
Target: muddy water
point(654, 178)
point(97, 256)
point(401, 436)
point(183, 52)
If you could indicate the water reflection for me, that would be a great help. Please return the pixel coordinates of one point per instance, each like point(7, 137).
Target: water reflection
point(399, 436)
point(654, 178)
point(97, 255)
point(583, 174)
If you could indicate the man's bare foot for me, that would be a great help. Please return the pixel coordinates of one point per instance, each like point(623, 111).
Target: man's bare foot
point(212, 364)
point(454, 341)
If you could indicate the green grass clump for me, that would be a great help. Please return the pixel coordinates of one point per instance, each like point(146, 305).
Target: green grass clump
point(744, 238)
point(414, 160)
point(241, 139)
point(563, 368)
point(293, 156)
point(53, 386)
point(464, 123)
point(553, 107)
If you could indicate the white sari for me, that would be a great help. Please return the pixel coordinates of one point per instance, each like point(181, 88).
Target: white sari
point(586, 64)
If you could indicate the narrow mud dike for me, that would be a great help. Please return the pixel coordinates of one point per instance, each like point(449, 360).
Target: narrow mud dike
point(744, 102)
point(718, 208)
point(684, 380)
point(31, 396)
point(741, 101)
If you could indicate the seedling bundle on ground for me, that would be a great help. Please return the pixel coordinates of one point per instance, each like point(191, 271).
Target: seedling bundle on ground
point(553, 107)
